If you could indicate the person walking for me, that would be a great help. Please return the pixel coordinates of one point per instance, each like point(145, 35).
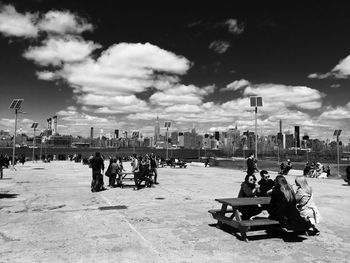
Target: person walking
point(97, 165)
point(251, 165)
point(153, 167)
point(2, 164)
point(114, 171)
point(135, 164)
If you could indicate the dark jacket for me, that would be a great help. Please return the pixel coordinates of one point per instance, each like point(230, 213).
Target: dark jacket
point(250, 166)
point(265, 185)
point(246, 190)
point(97, 164)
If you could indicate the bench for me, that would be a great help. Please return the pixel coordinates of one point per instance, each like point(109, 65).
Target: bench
point(235, 220)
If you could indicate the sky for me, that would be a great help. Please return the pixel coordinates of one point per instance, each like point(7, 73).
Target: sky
point(110, 66)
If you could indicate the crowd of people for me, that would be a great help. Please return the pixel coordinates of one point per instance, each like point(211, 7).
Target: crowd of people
point(294, 208)
point(143, 169)
point(316, 169)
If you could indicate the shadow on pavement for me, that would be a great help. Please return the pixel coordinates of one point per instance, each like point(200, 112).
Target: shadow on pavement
point(268, 234)
point(2, 195)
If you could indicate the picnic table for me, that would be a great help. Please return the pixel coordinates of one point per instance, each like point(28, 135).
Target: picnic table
point(232, 206)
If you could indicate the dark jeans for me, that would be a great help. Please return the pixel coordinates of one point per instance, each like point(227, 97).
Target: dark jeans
point(249, 211)
point(112, 178)
point(155, 173)
point(97, 181)
point(137, 179)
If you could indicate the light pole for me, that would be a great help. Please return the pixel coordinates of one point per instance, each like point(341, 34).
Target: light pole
point(16, 105)
point(337, 133)
point(34, 126)
point(256, 102)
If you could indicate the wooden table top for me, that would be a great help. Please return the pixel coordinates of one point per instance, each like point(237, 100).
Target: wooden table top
point(242, 201)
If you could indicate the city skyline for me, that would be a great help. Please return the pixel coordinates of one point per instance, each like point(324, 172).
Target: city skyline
point(111, 66)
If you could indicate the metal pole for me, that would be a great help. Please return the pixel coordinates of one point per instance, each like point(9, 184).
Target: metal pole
point(278, 154)
point(256, 133)
point(14, 141)
point(41, 147)
point(199, 151)
point(166, 143)
point(338, 154)
point(33, 145)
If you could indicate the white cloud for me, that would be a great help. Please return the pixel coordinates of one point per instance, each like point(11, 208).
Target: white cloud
point(337, 113)
point(63, 23)
point(15, 24)
point(236, 85)
point(343, 67)
point(46, 75)
point(181, 94)
point(287, 96)
point(219, 46)
point(340, 71)
point(115, 104)
point(234, 27)
point(55, 51)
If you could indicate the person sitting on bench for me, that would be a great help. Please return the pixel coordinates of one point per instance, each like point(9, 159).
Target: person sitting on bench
point(283, 206)
point(305, 204)
point(249, 189)
point(266, 184)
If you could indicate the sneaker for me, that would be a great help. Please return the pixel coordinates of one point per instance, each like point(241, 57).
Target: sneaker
point(156, 183)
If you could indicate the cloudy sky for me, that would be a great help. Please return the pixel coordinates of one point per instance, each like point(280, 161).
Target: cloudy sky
point(110, 66)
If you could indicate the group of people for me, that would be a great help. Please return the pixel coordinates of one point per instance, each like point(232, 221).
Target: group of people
point(315, 170)
point(292, 208)
point(144, 169)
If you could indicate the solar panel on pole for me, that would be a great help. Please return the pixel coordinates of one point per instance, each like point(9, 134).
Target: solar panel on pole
point(16, 104)
point(35, 125)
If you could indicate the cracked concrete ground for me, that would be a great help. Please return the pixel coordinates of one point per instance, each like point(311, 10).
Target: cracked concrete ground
point(48, 214)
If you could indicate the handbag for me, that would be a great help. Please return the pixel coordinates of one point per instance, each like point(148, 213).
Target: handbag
point(108, 172)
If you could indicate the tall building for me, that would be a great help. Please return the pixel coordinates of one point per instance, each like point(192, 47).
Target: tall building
point(157, 131)
point(297, 136)
point(116, 134)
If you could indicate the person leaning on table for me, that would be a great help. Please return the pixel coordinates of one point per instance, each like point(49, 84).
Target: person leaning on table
point(249, 189)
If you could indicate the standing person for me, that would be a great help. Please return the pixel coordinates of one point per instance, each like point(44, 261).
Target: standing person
point(348, 174)
point(207, 161)
point(97, 165)
point(120, 172)
point(251, 165)
point(249, 189)
point(114, 171)
point(153, 167)
point(305, 203)
point(135, 164)
point(2, 165)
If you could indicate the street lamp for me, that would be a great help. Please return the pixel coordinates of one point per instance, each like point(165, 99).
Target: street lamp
point(167, 125)
point(337, 133)
point(16, 105)
point(34, 126)
point(256, 102)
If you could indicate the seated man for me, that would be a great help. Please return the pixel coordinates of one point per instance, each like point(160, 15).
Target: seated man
point(266, 184)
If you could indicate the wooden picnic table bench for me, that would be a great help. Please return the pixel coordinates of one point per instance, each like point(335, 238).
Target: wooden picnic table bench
point(235, 220)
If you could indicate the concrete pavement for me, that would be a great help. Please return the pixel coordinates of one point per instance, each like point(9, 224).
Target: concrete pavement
point(48, 214)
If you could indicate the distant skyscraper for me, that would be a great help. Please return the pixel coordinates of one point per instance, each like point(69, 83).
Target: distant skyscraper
point(91, 136)
point(280, 126)
point(116, 134)
point(217, 135)
point(157, 131)
point(297, 136)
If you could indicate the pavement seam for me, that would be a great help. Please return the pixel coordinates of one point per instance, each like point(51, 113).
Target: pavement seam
point(147, 242)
